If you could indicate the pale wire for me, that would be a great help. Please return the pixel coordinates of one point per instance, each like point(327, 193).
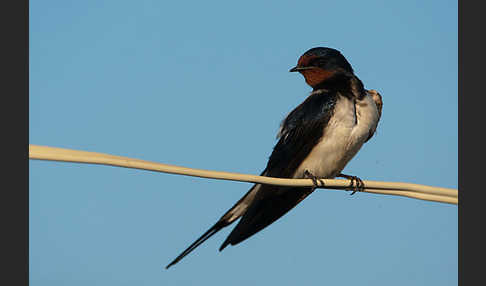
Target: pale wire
point(429, 193)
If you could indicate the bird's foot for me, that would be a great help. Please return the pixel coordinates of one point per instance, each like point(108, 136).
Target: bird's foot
point(318, 182)
point(356, 184)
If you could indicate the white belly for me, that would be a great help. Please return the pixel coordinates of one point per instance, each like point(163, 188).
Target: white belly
point(347, 130)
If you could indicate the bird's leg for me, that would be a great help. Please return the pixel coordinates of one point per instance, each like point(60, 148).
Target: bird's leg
point(317, 181)
point(356, 183)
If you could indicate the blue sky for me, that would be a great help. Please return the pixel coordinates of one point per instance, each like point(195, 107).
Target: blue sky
point(205, 84)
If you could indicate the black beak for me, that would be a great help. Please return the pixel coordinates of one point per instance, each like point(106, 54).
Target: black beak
point(296, 69)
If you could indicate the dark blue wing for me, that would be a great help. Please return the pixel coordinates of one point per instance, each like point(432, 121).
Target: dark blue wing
point(300, 132)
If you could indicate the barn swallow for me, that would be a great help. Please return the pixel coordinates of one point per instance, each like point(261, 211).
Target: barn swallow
point(316, 140)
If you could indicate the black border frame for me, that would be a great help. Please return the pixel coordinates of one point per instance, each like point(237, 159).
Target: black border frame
point(470, 119)
point(14, 209)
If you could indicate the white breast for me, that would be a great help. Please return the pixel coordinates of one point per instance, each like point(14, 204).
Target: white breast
point(347, 130)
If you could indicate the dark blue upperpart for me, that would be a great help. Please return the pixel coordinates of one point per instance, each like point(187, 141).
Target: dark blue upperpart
point(327, 59)
point(301, 131)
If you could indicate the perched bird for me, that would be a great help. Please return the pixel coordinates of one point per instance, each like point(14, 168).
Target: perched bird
point(316, 140)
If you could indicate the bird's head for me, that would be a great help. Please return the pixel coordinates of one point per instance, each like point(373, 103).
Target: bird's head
point(318, 65)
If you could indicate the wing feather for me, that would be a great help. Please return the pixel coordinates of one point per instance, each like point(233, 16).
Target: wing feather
point(299, 133)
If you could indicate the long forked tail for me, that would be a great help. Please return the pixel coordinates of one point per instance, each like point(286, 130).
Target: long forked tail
point(229, 217)
point(214, 229)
